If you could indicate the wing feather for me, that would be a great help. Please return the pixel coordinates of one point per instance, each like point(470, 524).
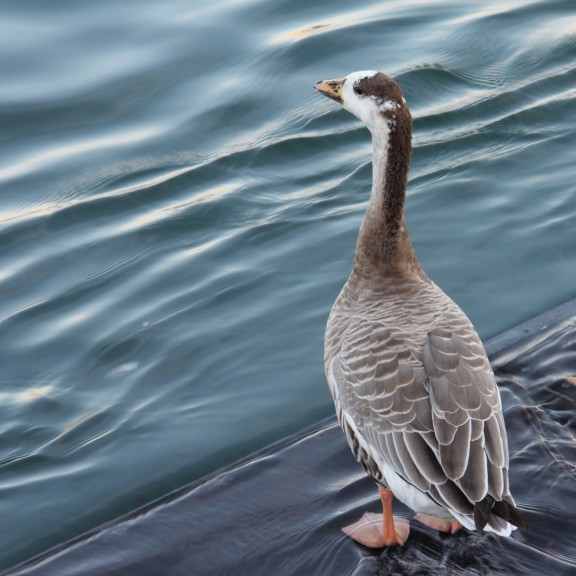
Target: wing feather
point(454, 456)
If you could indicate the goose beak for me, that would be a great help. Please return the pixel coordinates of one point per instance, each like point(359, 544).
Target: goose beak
point(331, 88)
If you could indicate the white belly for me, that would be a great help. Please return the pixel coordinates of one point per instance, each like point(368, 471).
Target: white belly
point(411, 496)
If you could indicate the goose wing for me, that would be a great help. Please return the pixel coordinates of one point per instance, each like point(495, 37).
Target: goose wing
point(426, 406)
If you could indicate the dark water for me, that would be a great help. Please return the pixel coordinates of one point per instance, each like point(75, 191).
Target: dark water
point(279, 511)
point(178, 211)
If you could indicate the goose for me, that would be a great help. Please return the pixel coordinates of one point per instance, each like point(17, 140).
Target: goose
point(411, 382)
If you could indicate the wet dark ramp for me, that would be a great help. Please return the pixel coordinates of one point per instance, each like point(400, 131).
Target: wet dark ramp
point(279, 512)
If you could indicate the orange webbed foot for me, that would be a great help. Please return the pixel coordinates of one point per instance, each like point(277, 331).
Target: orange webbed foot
point(438, 523)
point(369, 531)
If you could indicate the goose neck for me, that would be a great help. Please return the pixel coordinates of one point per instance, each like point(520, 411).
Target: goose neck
point(384, 244)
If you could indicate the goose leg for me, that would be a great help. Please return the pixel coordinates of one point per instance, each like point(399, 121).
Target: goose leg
point(379, 530)
point(390, 531)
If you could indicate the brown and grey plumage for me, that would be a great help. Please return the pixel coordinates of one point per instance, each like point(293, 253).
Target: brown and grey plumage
point(413, 388)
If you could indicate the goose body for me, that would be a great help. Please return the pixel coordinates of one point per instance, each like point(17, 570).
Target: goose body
point(412, 385)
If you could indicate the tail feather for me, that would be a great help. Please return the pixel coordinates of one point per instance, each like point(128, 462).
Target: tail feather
point(504, 509)
point(508, 511)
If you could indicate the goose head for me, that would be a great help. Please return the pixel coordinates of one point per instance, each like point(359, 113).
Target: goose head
point(371, 96)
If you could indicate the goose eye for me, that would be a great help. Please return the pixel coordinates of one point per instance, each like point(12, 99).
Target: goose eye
point(358, 91)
